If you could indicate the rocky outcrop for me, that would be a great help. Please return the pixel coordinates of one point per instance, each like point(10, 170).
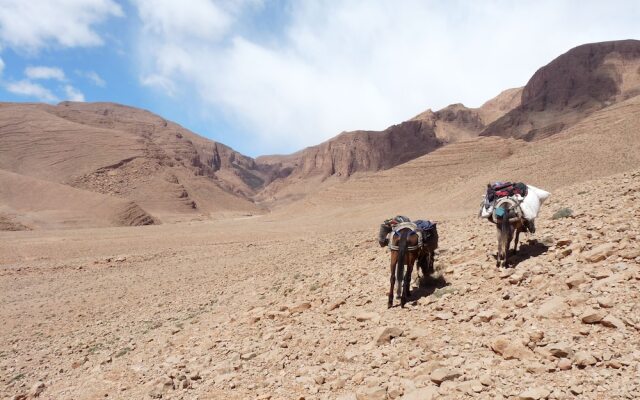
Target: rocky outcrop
point(359, 151)
point(574, 85)
point(366, 151)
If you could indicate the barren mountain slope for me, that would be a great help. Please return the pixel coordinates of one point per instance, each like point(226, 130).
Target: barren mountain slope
point(128, 153)
point(31, 203)
point(451, 178)
point(457, 122)
point(581, 81)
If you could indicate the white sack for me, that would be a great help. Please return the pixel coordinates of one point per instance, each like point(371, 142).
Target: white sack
point(485, 212)
point(532, 202)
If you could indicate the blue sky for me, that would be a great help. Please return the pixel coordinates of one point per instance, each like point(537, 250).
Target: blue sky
point(275, 76)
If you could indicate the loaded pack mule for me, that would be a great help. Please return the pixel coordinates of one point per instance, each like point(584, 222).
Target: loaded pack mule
point(513, 207)
point(408, 242)
point(509, 220)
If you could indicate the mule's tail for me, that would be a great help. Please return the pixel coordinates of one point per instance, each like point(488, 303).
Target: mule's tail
point(402, 253)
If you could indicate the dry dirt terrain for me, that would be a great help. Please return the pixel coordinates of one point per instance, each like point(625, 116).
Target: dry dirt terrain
point(262, 308)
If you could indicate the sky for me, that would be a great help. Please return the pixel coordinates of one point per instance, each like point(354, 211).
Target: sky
point(268, 77)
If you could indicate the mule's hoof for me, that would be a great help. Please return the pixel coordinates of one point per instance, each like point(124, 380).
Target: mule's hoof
point(389, 305)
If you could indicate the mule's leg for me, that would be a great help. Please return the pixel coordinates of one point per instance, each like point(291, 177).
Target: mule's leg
point(411, 259)
point(432, 257)
point(399, 278)
point(515, 246)
point(406, 283)
point(498, 256)
point(507, 247)
point(392, 280)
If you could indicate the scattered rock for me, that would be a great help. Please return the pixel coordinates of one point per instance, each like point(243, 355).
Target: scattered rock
point(612, 322)
point(592, 316)
point(37, 389)
point(363, 316)
point(426, 393)
point(510, 349)
point(555, 307)
point(444, 374)
point(300, 307)
point(385, 335)
point(560, 350)
point(443, 316)
point(599, 253)
point(576, 280)
point(584, 359)
point(534, 394)
point(564, 364)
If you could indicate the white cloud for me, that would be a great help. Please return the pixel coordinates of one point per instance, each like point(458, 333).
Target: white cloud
point(161, 82)
point(333, 66)
point(199, 18)
point(44, 73)
point(34, 24)
point(73, 94)
point(1, 66)
point(92, 76)
point(95, 78)
point(30, 89)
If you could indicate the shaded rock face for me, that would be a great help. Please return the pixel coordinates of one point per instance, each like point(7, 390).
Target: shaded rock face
point(574, 85)
point(358, 151)
point(365, 151)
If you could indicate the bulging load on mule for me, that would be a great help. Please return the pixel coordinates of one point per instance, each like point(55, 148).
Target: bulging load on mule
point(513, 207)
point(526, 202)
point(408, 242)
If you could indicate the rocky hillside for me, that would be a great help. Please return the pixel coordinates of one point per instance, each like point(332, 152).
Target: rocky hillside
point(574, 85)
point(124, 153)
point(178, 314)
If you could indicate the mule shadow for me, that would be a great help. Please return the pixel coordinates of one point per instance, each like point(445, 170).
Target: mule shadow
point(528, 250)
point(427, 285)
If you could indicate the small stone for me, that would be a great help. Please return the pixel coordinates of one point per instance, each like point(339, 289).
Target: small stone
point(372, 393)
point(564, 364)
point(300, 307)
point(599, 253)
point(367, 316)
point(443, 316)
point(37, 389)
point(592, 316)
point(385, 335)
point(560, 350)
point(612, 322)
point(534, 394)
point(486, 316)
point(486, 379)
point(614, 364)
point(444, 374)
point(425, 393)
point(510, 349)
point(584, 359)
point(576, 280)
point(605, 302)
point(555, 307)
point(536, 336)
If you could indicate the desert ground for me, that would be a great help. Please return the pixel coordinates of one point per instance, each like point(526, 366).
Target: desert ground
point(261, 307)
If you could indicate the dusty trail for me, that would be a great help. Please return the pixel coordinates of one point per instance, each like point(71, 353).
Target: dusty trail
point(205, 310)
